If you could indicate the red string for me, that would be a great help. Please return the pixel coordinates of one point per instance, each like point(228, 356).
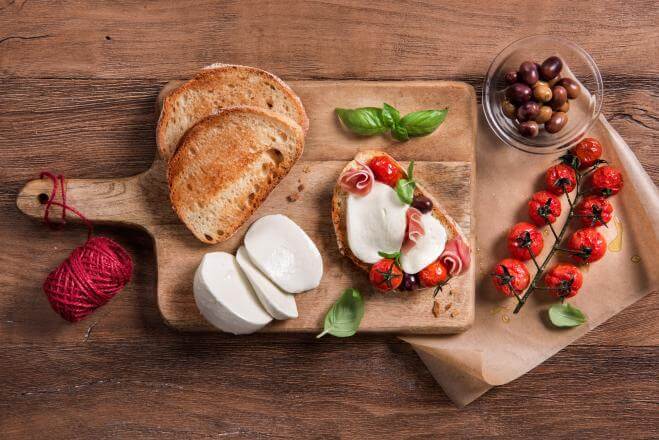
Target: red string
point(92, 274)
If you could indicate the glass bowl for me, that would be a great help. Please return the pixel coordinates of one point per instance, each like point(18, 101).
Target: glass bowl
point(583, 112)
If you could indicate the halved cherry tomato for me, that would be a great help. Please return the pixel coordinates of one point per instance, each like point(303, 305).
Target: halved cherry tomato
point(544, 208)
point(588, 151)
point(385, 275)
point(385, 170)
point(565, 279)
point(524, 241)
point(588, 244)
point(594, 211)
point(433, 274)
point(510, 277)
point(607, 181)
point(561, 178)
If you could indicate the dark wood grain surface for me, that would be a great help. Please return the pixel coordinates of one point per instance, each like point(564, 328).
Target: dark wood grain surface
point(78, 82)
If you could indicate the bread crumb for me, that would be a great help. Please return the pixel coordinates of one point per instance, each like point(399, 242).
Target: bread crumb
point(454, 313)
point(300, 187)
point(293, 197)
point(435, 309)
point(306, 169)
point(447, 306)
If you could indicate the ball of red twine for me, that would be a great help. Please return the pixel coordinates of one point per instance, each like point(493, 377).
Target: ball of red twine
point(91, 275)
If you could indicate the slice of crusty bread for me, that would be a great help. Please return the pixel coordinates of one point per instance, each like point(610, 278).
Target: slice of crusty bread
point(218, 87)
point(227, 164)
point(339, 205)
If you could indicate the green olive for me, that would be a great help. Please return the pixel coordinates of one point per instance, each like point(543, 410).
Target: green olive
point(542, 93)
point(544, 115)
point(509, 109)
point(540, 83)
point(564, 108)
point(553, 82)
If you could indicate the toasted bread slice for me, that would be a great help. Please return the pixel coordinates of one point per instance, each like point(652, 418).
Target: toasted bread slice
point(227, 164)
point(222, 86)
point(339, 205)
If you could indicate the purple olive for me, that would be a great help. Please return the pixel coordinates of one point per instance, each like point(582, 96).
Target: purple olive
point(528, 73)
point(519, 93)
point(555, 81)
point(410, 282)
point(528, 111)
point(571, 86)
point(422, 203)
point(551, 67)
point(556, 122)
point(558, 97)
point(528, 129)
point(510, 77)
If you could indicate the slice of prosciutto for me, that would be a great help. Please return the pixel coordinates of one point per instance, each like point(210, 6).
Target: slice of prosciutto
point(358, 181)
point(456, 256)
point(414, 230)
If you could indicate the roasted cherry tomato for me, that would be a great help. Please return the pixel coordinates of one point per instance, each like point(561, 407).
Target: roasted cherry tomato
point(565, 279)
point(607, 181)
point(588, 151)
point(544, 208)
point(385, 170)
point(560, 178)
point(522, 238)
point(510, 273)
point(385, 275)
point(433, 274)
point(587, 245)
point(594, 211)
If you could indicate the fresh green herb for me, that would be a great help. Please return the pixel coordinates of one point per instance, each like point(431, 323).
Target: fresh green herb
point(365, 121)
point(392, 256)
point(368, 121)
point(343, 318)
point(405, 187)
point(564, 315)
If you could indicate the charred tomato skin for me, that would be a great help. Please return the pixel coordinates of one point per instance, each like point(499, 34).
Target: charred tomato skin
point(588, 151)
point(385, 275)
point(560, 176)
point(590, 244)
point(385, 170)
point(515, 272)
point(594, 211)
point(564, 279)
point(544, 208)
point(607, 181)
point(433, 274)
point(524, 239)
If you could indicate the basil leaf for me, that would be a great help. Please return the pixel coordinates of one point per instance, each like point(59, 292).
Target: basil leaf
point(390, 116)
point(564, 315)
point(392, 256)
point(410, 171)
point(405, 187)
point(399, 133)
point(423, 122)
point(343, 318)
point(365, 121)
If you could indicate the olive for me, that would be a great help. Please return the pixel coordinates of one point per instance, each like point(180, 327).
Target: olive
point(422, 203)
point(558, 97)
point(519, 93)
point(510, 76)
point(509, 109)
point(528, 73)
point(542, 93)
point(410, 282)
point(564, 108)
point(528, 129)
point(553, 82)
point(544, 114)
point(528, 111)
point(551, 67)
point(556, 122)
point(571, 86)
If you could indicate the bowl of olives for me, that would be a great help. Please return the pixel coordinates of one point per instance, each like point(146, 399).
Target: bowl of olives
point(542, 94)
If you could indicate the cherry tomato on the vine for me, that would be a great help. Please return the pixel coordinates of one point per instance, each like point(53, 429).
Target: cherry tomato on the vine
point(510, 276)
point(524, 241)
point(433, 274)
point(594, 211)
point(607, 181)
point(588, 244)
point(385, 170)
point(385, 275)
point(544, 208)
point(565, 279)
point(588, 151)
point(561, 178)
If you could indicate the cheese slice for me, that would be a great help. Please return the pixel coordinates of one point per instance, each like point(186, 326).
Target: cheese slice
point(280, 249)
point(279, 304)
point(375, 222)
point(225, 297)
point(427, 248)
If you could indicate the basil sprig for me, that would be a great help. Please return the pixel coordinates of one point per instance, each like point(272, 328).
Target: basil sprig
point(405, 187)
point(343, 318)
point(564, 315)
point(391, 256)
point(368, 121)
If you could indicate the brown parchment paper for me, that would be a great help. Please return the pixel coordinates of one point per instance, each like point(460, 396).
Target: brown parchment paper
point(501, 347)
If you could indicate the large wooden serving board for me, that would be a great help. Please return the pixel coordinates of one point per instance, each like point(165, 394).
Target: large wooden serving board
point(444, 164)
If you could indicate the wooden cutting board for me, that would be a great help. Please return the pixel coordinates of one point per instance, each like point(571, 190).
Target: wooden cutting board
point(444, 164)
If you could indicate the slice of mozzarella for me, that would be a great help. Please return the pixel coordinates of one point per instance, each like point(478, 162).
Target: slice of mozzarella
point(284, 253)
point(279, 304)
point(427, 248)
point(375, 222)
point(225, 297)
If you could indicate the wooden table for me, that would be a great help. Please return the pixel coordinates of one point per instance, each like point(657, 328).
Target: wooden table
point(78, 84)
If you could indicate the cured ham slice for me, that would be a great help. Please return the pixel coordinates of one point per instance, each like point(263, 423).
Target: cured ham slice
point(456, 256)
point(358, 181)
point(414, 229)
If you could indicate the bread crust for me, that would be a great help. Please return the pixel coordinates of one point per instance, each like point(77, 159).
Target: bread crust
point(340, 196)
